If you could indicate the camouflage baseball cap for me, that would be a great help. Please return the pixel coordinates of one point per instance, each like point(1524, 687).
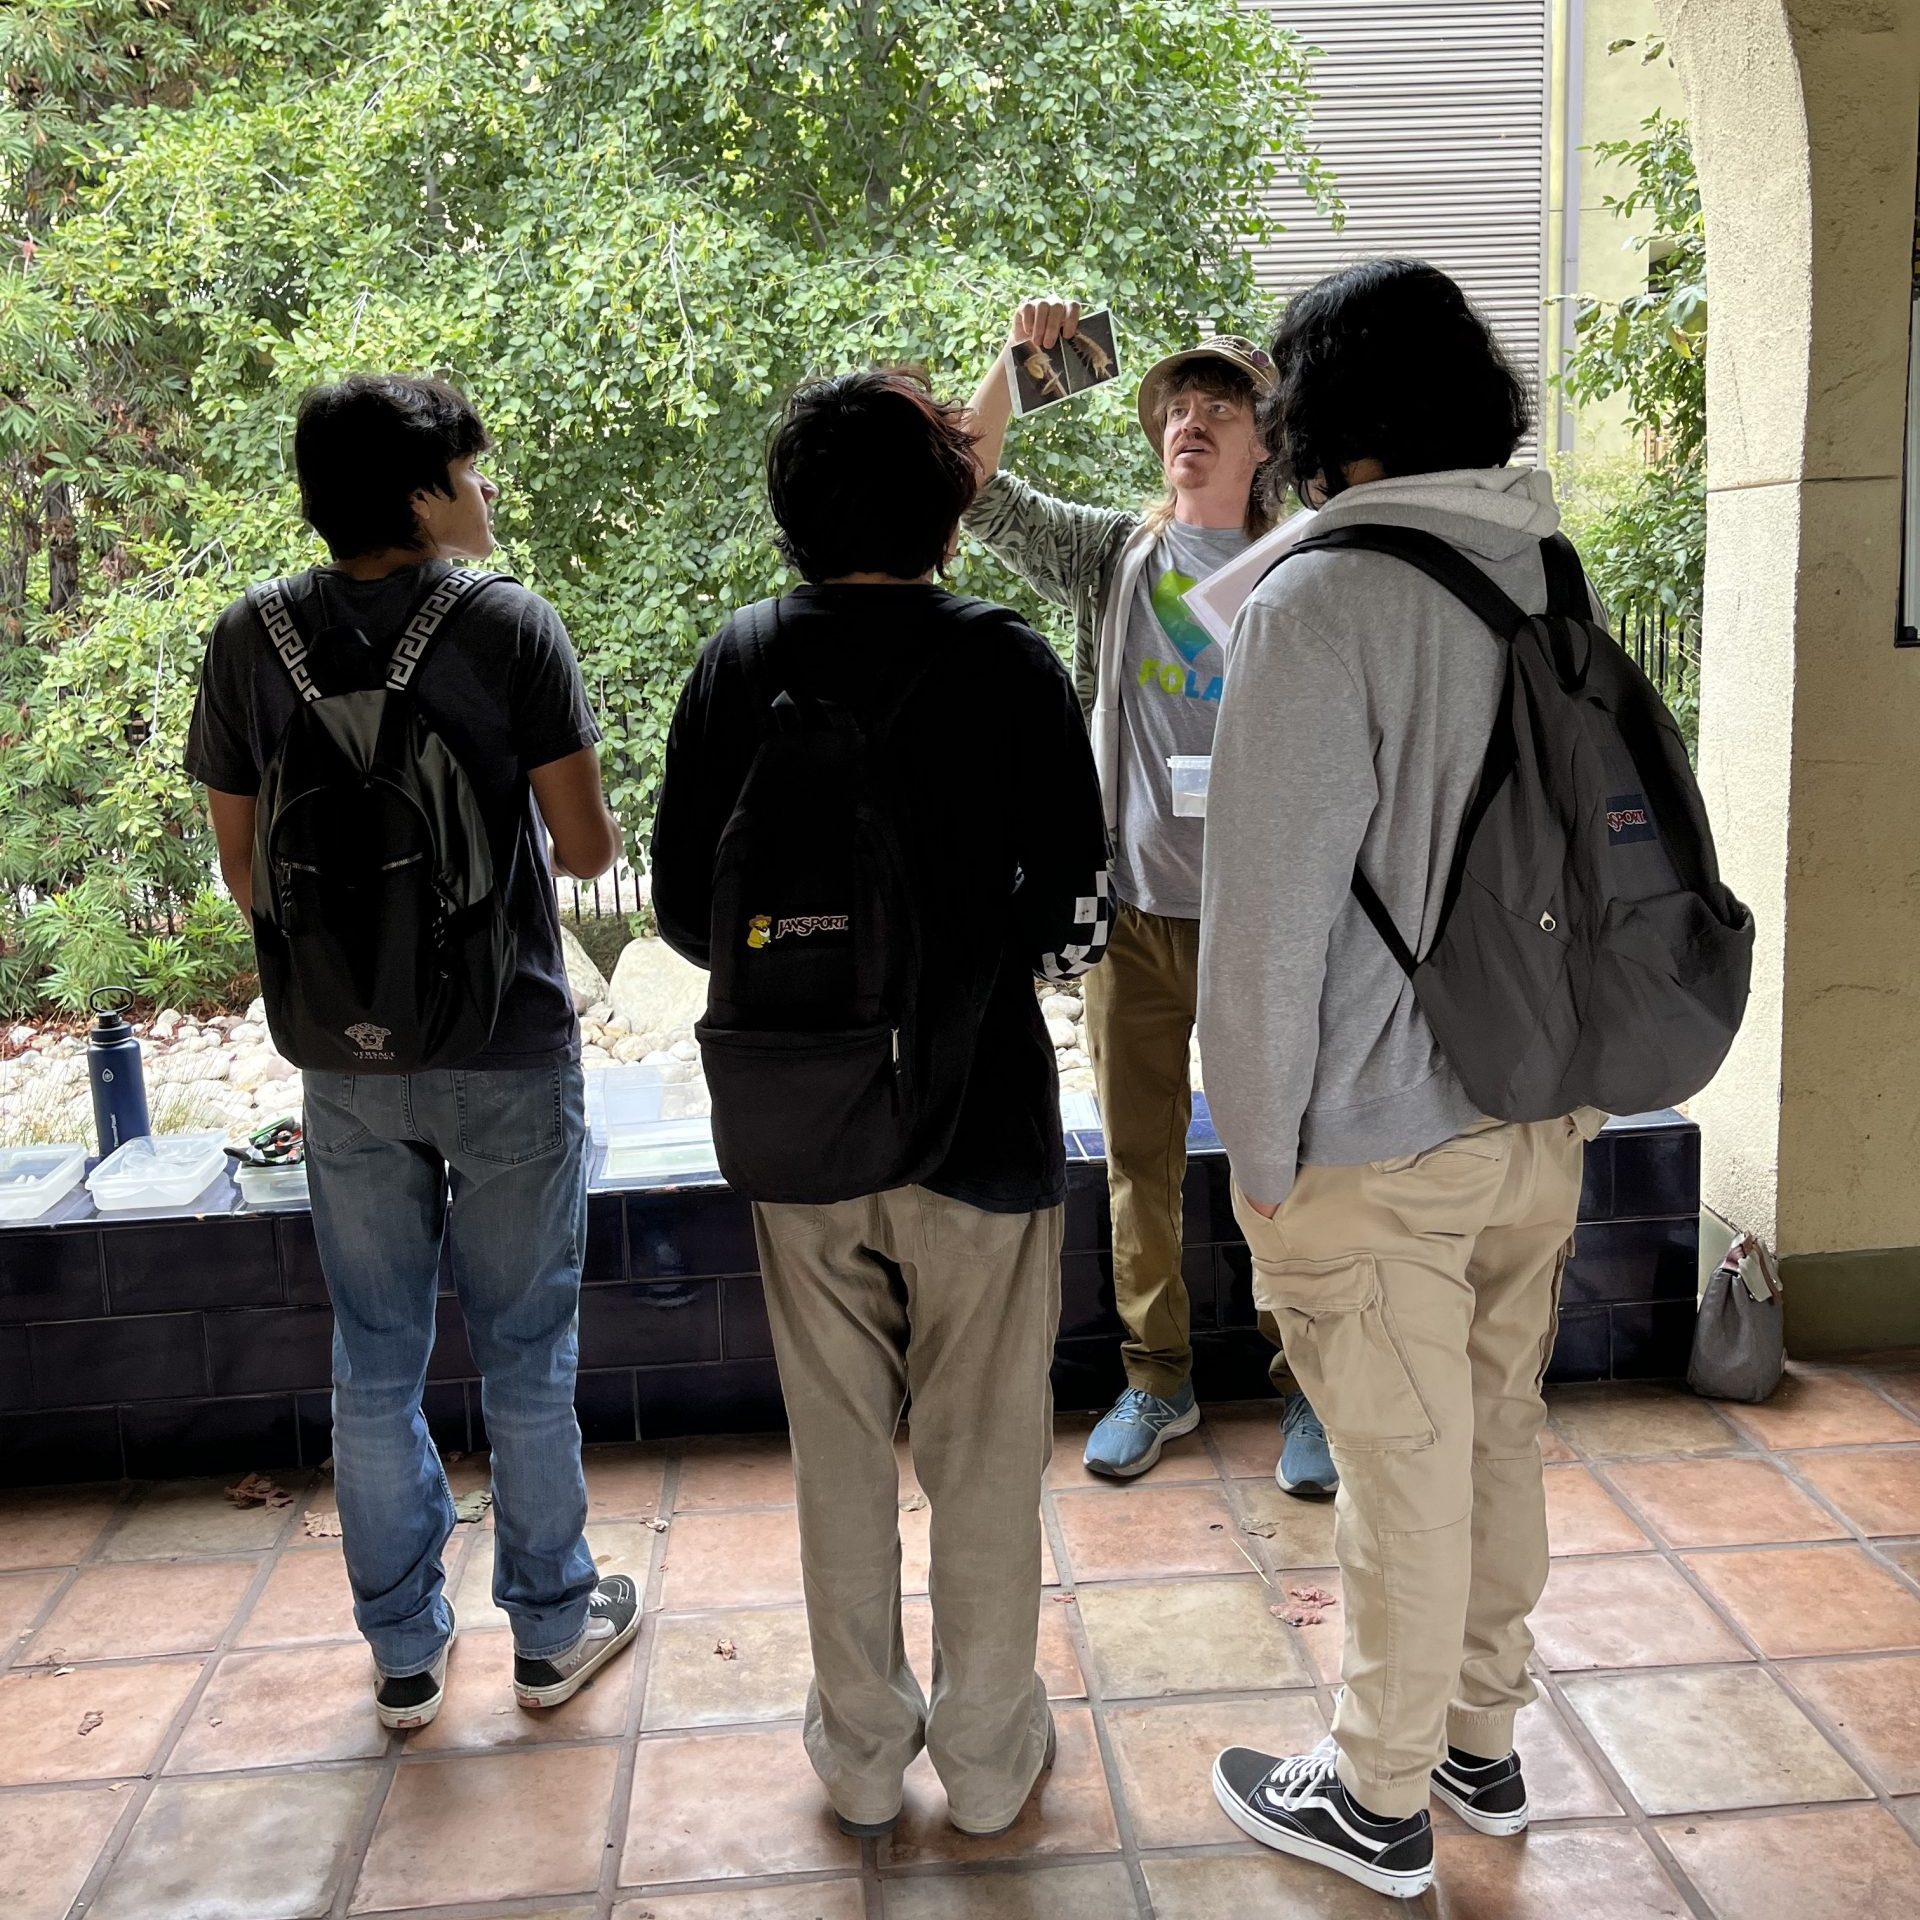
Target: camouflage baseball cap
point(1240, 354)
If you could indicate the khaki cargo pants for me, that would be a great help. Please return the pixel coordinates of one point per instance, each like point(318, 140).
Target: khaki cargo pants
point(873, 1300)
point(1141, 1004)
point(1418, 1301)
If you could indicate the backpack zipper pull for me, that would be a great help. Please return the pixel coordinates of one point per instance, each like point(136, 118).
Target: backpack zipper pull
point(896, 1049)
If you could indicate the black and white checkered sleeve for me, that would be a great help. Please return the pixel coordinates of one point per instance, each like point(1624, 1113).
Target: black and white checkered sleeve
point(1087, 945)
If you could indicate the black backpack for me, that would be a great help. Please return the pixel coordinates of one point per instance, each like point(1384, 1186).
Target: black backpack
point(1587, 953)
point(827, 1077)
point(379, 916)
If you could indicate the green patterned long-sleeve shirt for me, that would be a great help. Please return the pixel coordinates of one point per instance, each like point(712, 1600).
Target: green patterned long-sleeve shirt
point(1066, 553)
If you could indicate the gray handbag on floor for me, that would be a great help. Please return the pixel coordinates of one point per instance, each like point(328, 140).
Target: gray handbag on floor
point(1739, 1340)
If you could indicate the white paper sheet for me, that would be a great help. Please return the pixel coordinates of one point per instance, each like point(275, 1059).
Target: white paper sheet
point(1215, 600)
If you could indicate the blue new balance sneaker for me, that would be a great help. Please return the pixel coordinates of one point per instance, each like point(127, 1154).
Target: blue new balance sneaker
point(1305, 1461)
point(1128, 1440)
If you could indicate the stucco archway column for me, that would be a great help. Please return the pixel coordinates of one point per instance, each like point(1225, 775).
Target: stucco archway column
point(1804, 117)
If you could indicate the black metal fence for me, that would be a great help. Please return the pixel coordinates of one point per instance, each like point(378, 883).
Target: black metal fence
point(618, 892)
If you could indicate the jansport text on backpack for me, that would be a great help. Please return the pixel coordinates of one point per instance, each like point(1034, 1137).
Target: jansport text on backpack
point(379, 918)
point(824, 1087)
point(1587, 953)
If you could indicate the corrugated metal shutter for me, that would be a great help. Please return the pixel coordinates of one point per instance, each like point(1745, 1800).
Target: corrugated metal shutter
point(1432, 115)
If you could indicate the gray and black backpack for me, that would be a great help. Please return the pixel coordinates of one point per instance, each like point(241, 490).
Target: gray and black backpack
point(1587, 953)
point(379, 911)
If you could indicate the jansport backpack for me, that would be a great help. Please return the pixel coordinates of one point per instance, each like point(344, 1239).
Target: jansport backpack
point(1587, 953)
point(379, 916)
point(826, 1085)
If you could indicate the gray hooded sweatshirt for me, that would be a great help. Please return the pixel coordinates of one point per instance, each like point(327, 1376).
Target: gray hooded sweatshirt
point(1358, 706)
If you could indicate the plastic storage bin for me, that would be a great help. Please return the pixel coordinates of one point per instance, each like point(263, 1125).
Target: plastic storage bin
point(623, 1096)
point(167, 1170)
point(660, 1150)
point(1190, 771)
point(272, 1186)
point(34, 1179)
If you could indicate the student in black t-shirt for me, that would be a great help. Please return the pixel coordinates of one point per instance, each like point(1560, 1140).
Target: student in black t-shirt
point(948, 1289)
point(390, 479)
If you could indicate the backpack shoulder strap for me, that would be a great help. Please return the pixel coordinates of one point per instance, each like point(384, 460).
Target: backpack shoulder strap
point(1568, 596)
point(1439, 560)
point(757, 625)
point(435, 607)
point(971, 613)
point(268, 599)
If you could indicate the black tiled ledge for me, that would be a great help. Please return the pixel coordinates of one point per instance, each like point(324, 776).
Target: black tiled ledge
point(199, 1341)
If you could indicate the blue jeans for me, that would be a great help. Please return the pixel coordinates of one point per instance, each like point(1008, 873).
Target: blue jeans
point(495, 1163)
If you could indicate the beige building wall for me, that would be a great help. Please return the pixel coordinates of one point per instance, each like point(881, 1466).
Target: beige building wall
point(1804, 116)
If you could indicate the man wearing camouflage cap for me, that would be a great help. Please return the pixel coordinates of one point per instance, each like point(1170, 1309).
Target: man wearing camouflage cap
point(1149, 678)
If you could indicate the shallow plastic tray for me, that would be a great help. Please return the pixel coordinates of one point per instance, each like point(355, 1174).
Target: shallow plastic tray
point(272, 1186)
point(33, 1179)
point(163, 1170)
point(660, 1150)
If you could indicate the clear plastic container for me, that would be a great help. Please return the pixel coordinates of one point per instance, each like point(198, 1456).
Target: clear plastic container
point(1079, 1113)
point(1190, 772)
point(164, 1170)
point(35, 1179)
point(272, 1186)
point(623, 1096)
point(660, 1150)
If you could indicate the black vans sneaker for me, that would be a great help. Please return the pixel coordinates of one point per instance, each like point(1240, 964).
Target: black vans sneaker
point(409, 1704)
point(1489, 1795)
point(1298, 1806)
point(613, 1618)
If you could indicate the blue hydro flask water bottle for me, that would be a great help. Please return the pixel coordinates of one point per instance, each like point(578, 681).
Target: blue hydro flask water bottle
point(113, 1068)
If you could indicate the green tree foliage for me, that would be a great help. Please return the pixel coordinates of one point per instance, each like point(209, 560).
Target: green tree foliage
point(627, 227)
point(1647, 549)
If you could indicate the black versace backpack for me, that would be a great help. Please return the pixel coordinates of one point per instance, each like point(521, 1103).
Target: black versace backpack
point(819, 1054)
point(379, 916)
point(1587, 952)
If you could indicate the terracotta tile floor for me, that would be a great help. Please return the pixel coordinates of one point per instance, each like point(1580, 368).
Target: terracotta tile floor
point(1729, 1726)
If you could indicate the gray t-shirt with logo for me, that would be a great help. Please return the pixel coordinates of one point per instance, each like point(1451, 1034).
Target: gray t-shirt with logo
point(1171, 681)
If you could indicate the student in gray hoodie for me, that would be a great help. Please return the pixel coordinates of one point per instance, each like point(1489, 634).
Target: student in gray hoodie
point(1409, 1248)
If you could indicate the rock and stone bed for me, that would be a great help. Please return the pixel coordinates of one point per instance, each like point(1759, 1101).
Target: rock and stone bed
point(223, 1070)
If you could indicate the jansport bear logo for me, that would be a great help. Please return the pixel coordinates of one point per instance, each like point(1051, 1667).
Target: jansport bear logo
point(371, 1040)
point(1628, 820)
point(759, 931)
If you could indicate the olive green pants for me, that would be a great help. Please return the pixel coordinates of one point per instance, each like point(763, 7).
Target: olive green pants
point(1141, 1004)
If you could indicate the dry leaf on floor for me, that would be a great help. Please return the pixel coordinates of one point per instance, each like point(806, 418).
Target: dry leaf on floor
point(914, 1503)
point(1306, 1606)
point(257, 1490)
point(727, 1650)
point(1260, 1529)
point(88, 1721)
point(659, 1526)
point(1063, 1599)
point(321, 1525)
point(213, 1721)
point(470, 1507)
point(60, 1673)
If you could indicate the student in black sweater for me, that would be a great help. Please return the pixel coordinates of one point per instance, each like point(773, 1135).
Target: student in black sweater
point(949, 1288)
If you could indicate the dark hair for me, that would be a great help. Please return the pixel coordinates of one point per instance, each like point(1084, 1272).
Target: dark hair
point(365, 445)
point(869, 473)
point(1388, 360)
